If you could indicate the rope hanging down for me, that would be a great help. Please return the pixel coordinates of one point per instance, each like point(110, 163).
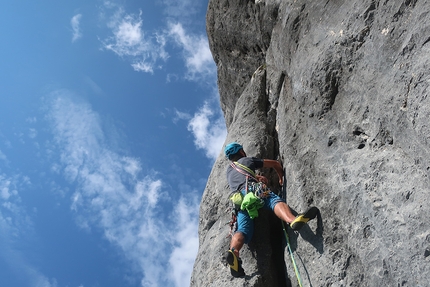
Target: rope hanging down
point(296, 270)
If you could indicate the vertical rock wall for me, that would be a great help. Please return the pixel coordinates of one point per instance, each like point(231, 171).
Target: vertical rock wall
point(339, 91)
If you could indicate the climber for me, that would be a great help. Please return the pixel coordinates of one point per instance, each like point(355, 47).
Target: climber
point(254, 194)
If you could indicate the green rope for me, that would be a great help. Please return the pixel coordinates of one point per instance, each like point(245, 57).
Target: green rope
point(296, 270)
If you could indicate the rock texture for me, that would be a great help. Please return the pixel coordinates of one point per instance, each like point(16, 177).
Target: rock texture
point(339, 91)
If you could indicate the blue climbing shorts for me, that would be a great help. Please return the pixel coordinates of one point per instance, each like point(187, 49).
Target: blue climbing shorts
point(245, 224)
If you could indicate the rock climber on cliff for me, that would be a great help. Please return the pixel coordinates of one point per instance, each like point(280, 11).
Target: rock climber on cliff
point(249, 193)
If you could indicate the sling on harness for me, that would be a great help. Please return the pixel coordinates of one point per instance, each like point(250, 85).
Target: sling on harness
point(252, 204)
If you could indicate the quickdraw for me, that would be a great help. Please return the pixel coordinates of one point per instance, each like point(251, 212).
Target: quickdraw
point(259, 189)
point(232, 224)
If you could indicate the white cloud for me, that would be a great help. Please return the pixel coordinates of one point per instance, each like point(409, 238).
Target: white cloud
point(180, 9)
point(4, 192)
point(31, 120)
point(128, 37)
point(171, 78)
point(75, 23)
point(186, 242)
point(209, 131)
point(128, 33)
point(10, 200)
point(113, 195)
point(131, 166)
point(32, 133)
point(129, 40)
point(181, 116)
point(145, 50)
point(15, 224)
point(4, 187)
point(141, 66)
point(3, 156)
point(198, 57)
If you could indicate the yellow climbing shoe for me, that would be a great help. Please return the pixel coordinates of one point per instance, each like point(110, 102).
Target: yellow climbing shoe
point(302, 219)
point(235, 264)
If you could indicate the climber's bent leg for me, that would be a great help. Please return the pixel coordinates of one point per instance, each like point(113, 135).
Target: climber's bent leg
point(245, 230)
point(245, 226)
point(283, 211)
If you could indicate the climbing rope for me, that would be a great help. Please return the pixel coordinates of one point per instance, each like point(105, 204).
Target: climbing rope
point(287, 239)
point(296, 270)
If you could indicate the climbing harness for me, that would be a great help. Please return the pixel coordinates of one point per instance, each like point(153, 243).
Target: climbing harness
point(287, 239)
point(251, 199)
point(258, 188)
point(238, 198)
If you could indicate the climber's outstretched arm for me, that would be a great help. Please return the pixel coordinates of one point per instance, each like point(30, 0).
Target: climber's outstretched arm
point(270, 163)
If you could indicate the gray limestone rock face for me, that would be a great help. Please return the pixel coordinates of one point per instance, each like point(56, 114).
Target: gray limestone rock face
point(239, 35)
point(338, 90)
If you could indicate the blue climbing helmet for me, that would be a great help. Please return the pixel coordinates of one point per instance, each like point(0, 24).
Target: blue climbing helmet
point(231, 149)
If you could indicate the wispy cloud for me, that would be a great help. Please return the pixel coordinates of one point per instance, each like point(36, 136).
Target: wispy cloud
point(113, 195)
point(130, 40)
point(181, 116)
point(12, 216)
point(196, 52)
point(186, 242)
point(31, 120)
point(3, 156)
point(75, 23)
point(147, 50)
point(32, 133)
point(15, 225)
point(180, 9)
point(209, 130)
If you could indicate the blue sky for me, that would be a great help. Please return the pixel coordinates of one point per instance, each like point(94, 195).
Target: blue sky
point(109, 126)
